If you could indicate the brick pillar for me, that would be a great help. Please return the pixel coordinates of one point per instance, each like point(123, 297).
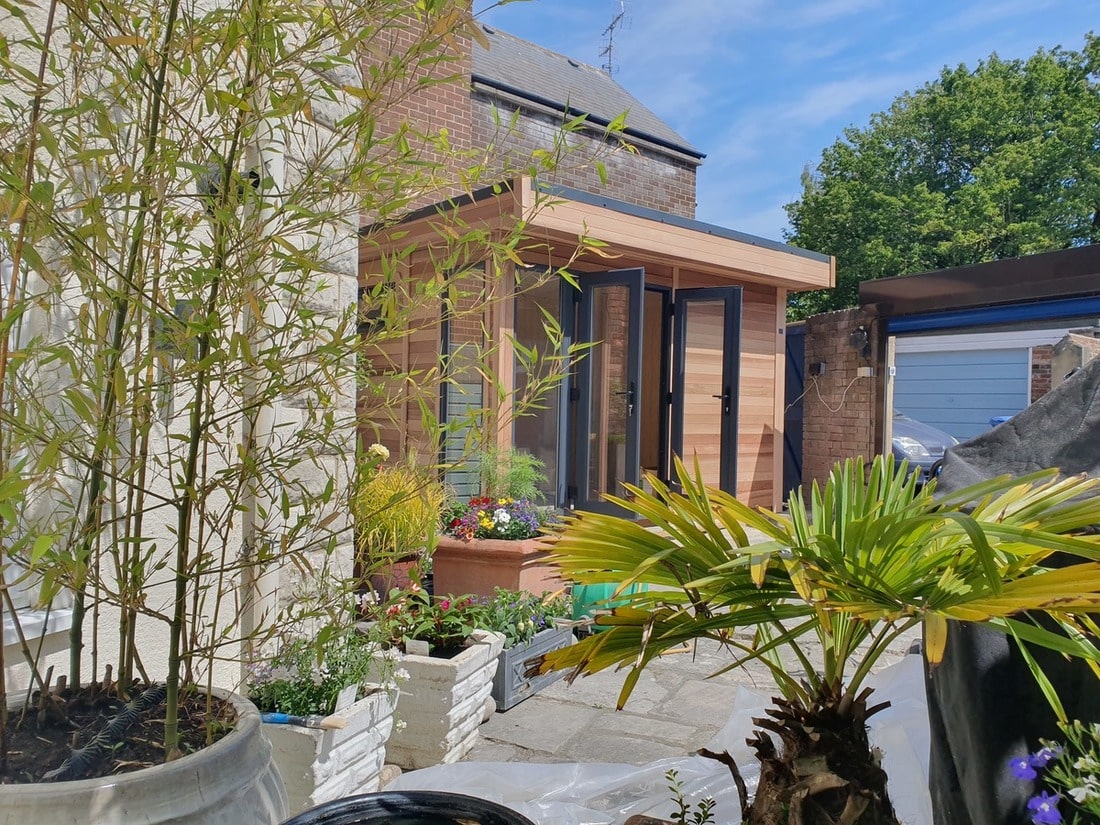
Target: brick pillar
point(432, 99)
point(839, 404)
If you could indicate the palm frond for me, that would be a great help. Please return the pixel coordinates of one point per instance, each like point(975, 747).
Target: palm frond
point(854, 563)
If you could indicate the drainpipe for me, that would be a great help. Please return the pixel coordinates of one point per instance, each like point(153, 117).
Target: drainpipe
point(259, 587)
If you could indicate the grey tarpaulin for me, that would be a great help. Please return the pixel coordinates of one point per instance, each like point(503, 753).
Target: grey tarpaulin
point(983, 704)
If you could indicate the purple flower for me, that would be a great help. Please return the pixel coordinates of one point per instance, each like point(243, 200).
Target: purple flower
point(1044, 809)
point(1042, 757)
point(1021, 767)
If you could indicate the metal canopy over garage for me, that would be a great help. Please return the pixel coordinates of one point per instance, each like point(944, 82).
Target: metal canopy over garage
point(1054, 285)
point(956, 344)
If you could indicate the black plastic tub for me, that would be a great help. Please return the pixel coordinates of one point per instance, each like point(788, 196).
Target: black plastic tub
point(410, 808)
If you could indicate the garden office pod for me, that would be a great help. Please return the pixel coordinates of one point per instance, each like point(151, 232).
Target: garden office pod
point(675, 330)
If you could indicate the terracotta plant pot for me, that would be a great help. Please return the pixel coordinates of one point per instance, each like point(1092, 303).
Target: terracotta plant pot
point(479, 566)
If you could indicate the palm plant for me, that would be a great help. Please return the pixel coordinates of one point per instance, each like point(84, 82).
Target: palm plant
point(870, 556)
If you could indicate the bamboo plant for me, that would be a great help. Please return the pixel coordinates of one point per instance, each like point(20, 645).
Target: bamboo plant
point(183, 188)
point(868, 557)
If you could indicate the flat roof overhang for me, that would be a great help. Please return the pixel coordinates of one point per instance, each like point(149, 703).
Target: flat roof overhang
point(1061, 276)
point(555, 217)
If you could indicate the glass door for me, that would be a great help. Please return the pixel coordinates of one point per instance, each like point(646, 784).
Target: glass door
point(607, 390)
point(705, 380)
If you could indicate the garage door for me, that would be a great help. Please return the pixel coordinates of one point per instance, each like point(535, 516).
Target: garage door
point(959, 391)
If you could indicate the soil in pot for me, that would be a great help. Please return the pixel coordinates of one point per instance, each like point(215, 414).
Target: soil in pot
point(40, 742)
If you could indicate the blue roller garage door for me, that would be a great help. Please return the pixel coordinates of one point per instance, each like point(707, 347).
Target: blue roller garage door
point(959, 391)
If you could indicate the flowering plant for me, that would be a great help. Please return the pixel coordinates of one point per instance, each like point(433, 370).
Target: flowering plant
point(305, 676)
point(483, 517)
point(444, 623)
point(520, 615)
point(1072, 769)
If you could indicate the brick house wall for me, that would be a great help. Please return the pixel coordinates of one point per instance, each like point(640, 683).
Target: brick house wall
point(430, 107)
point(1041, 371)
point(839, 418)
point(640, 176)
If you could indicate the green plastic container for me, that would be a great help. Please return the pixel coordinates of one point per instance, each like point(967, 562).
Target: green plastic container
point(588, 598)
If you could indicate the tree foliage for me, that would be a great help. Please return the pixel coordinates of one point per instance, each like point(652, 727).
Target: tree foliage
point(994, 162)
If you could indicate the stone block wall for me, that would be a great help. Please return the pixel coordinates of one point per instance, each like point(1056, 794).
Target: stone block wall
point(443, 703)
point(839, 412)
point(319, 766)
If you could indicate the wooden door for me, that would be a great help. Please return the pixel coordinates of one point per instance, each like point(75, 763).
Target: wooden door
point(705, 378)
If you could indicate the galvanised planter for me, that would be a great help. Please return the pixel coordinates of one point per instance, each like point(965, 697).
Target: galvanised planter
point(510, 686)
point(236, 777)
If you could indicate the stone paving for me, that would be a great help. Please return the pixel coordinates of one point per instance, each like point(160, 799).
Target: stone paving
point(674, 710)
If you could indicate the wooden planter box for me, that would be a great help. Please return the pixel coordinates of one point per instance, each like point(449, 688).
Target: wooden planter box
point(510, 686)
point(443, 703)
point(322, 765)
point(479, 566)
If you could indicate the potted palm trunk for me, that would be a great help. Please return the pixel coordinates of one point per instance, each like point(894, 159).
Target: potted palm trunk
point(867, 558)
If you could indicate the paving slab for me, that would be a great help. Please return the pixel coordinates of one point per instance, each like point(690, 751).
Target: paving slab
point(674, 710)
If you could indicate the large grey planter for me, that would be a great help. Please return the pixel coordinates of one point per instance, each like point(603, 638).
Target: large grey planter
point(234, 780)
point(510, 686)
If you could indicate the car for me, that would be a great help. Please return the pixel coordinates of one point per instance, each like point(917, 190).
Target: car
point(922, 444)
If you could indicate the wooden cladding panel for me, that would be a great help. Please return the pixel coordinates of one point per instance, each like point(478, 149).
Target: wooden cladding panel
point(708, 253)
point(756, 433)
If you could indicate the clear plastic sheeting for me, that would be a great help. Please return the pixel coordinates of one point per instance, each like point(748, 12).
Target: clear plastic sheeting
point(604, 794)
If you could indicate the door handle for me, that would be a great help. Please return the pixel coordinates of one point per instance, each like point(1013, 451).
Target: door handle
point(725, 396)
point(629, 393)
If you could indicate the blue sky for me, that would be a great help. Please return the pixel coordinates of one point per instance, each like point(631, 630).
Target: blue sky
point(762, 86)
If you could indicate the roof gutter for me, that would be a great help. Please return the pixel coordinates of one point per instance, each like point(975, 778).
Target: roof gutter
point(570, 111)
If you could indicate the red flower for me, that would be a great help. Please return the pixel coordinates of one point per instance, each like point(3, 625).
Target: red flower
point(445, 604)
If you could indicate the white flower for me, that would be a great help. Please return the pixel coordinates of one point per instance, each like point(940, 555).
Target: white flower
point(402, 675)
point(501, 516)
point(400, 725)
point(378, 451)
point(1083, 794)
point(1086, 763)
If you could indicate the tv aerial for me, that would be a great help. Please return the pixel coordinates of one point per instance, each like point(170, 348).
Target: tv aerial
point(608, 51)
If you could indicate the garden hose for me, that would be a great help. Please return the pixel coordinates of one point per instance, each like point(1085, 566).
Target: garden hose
point(83, 758)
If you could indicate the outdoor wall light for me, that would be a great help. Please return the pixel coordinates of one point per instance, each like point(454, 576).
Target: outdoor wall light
point(860, 341)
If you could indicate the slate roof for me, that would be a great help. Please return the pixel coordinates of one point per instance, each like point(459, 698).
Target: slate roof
point(526, 70)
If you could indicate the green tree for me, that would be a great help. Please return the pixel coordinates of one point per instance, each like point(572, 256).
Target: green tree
point(978, 165)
